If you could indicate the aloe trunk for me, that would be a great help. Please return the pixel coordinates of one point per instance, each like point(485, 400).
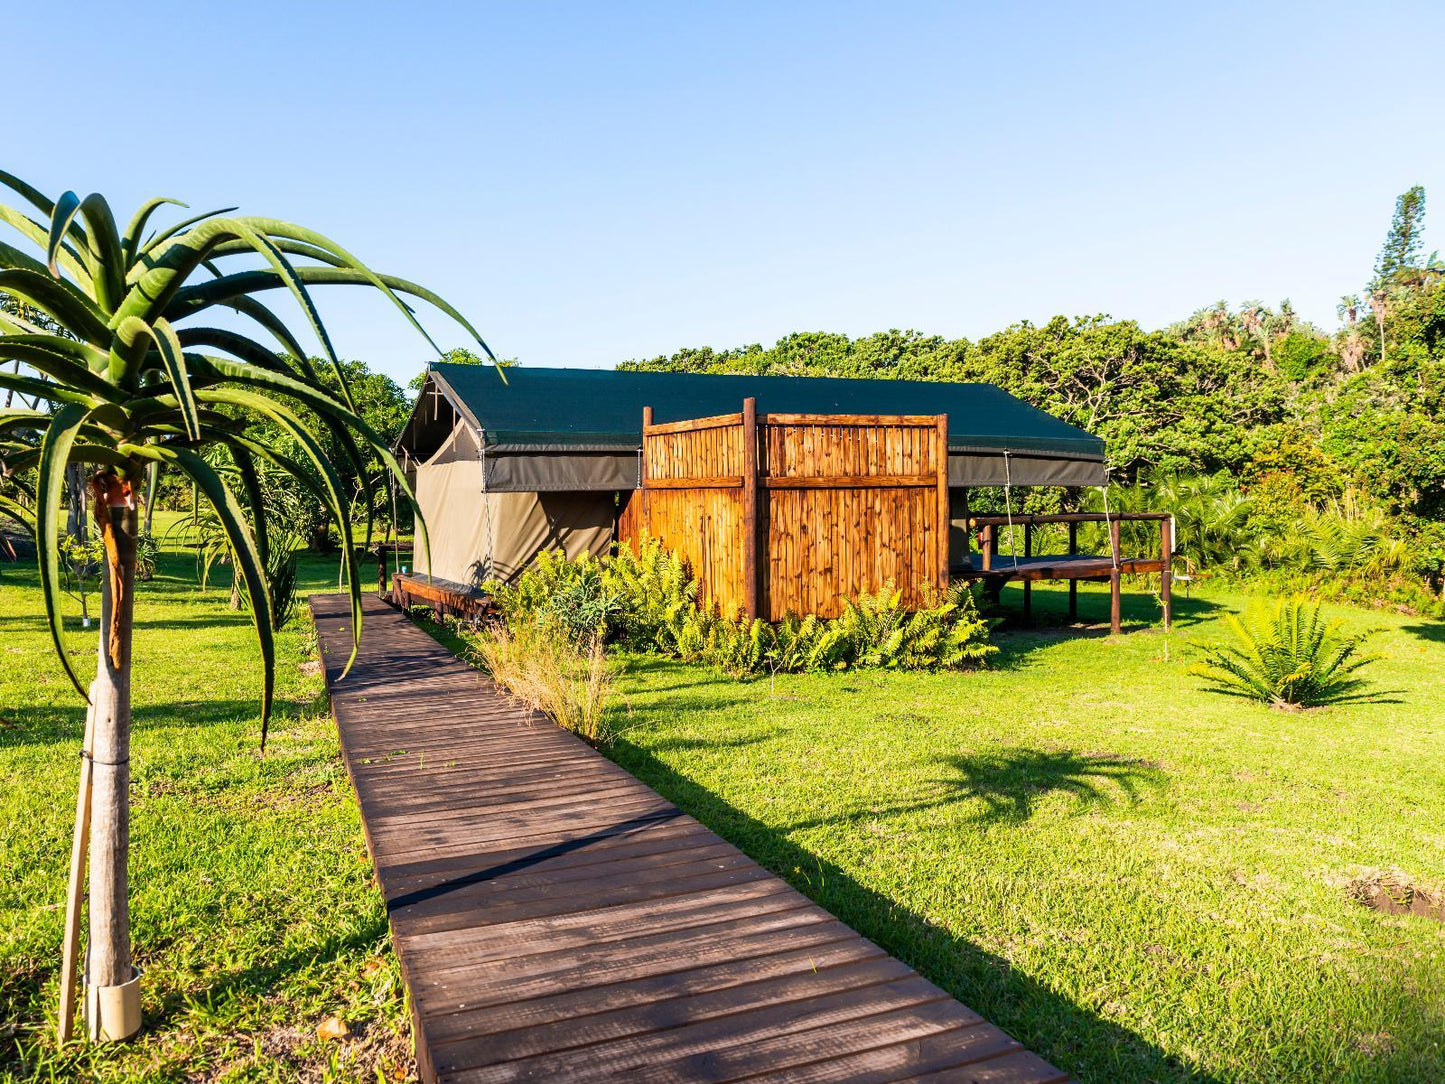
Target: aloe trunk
point(109, 961)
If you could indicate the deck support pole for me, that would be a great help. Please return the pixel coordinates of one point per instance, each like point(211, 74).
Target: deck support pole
point(752, 573)
point(1115, 620)
point(1073, 584)
point(1028, 583)
point(1166, 573)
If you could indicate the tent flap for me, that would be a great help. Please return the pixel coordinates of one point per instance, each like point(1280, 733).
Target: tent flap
point(1024, 470)
point(557, 472)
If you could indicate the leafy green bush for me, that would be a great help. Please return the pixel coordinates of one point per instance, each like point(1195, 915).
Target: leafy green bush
point(1291, 659)
point(571, 594)
point(658, 593)
point(147, 552)
point(281, 567)
point(647, 599)
point(880, 632)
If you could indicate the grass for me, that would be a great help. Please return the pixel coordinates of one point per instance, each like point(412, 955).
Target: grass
point(1140, 879)
point(254, 914)
point(547, 671)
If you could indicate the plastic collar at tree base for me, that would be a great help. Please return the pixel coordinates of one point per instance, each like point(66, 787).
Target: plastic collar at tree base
point(112, 1013)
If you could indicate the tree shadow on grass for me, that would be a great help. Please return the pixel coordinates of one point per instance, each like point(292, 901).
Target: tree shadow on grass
point(1012, 782)
point(1434, 631)
point(65, 724)
point(1070, 1035)
point(1050, 623)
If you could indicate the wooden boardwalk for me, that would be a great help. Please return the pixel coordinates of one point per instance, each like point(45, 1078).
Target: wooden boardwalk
point(557, 920)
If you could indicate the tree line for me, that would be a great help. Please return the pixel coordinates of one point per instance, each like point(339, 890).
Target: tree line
point(1301, 418)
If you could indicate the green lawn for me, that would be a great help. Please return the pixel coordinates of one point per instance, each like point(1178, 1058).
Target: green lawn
point(1141, 880)
point(254, 913)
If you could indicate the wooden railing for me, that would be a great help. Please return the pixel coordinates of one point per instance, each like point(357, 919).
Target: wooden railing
point(1074, 566)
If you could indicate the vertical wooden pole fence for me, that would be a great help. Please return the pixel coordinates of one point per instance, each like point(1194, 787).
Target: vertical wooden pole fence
point(943, 518)
point(752, 567)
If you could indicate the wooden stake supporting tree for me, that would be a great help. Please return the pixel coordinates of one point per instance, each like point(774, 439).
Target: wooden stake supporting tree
point(122, 379)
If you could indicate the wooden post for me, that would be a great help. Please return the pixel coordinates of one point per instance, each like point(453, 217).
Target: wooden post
point(988, 548)
point(967, 527)
point(1166, 574)
point(1073, 583)
point(381, 568)
point(75, 898)
point(751, 570)
point(642, 522)
point(1115, 617)
point(1028, 583)
point(943, 520)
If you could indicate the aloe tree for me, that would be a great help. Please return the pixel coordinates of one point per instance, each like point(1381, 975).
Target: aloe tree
point(131, 368)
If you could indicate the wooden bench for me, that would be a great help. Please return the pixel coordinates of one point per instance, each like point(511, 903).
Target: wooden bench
point(443, 596)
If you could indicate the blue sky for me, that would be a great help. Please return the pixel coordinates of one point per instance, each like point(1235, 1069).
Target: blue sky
point(594, 182)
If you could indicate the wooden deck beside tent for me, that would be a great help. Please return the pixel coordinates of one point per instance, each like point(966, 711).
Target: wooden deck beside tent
point(557, 920)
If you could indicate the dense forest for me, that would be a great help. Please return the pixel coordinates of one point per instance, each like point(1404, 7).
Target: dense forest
point(1290, 433)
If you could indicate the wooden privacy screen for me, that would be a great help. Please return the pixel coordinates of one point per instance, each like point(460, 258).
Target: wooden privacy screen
point(793, 513)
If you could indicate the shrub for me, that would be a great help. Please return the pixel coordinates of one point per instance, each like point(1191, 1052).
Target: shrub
point(876, 631)
point(570, 594)
point(147, 552)
point(1291, 659)
point(646, 599)
point(542, 665)
point(281, 570)
point(658, 596)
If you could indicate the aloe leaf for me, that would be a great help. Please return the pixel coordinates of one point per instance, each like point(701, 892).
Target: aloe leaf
point(55, 451)
point(56, 298)
point(131, 241)
point(336, 497)
point(248, 562)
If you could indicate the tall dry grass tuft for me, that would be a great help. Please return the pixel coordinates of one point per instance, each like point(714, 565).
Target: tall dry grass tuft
point(548, 671)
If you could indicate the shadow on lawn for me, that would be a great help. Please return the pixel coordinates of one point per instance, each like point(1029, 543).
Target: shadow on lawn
point(1012, 782)
point(1434, 631)
point(65, 724)
point(1070, 1035)
point(1017, 641)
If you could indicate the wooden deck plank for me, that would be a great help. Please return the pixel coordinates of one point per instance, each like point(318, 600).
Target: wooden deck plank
point(556, 919)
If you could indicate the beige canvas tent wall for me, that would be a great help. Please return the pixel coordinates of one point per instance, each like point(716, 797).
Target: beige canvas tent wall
point(478, 534)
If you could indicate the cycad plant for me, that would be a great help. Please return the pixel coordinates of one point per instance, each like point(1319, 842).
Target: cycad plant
point(1293, 658)
point(132, 367)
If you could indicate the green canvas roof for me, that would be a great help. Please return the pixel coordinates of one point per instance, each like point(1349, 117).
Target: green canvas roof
point(562, 409)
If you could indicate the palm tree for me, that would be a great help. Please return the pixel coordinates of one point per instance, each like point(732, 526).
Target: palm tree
point(132, 371)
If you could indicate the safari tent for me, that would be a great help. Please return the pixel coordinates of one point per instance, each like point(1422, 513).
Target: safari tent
point(551, 458)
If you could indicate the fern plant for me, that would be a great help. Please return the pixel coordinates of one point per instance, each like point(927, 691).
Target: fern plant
point(1293, 658)
point(647, 599)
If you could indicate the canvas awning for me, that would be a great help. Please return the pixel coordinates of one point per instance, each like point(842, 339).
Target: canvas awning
point(570, 430)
